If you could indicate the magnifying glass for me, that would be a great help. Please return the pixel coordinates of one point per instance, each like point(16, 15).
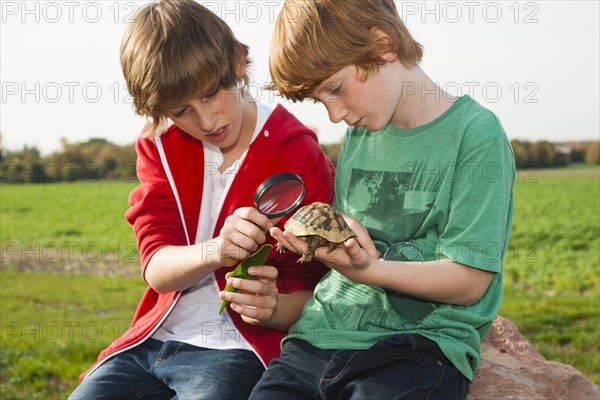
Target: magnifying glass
point(404, 251)
point(279, 194)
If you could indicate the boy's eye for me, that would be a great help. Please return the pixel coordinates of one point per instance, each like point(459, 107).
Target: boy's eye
point(332, 92)
point(179, 112)
point(336, 90)
point(210, 96)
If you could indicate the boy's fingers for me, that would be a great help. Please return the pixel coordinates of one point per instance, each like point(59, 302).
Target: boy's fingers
point(371, 250)
point(252, 300)
point(265, 284)
point(241, 241)
point(362, 236)
point(352, 248)
point(253, 215)
point(276, 233)
point(252, 232)
point(288, 240)
point(297, 245)
point(251, 314)
point(264, 271)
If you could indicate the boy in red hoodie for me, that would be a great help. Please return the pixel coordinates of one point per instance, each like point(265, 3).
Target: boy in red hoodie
point(194, 218)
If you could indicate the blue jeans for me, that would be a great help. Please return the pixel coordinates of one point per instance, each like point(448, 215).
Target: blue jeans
point(173, 370)
point(401, 367)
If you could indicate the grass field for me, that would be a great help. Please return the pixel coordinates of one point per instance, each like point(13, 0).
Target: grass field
point(57, 313)
point(54, 326)
point(67, 226)
point(552, 268)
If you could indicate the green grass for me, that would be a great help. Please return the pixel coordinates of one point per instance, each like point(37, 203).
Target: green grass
point(78, 213)
point(66, 222)
point(555, 241)
point(54, 325)
point(552, 269)
point(562, 328)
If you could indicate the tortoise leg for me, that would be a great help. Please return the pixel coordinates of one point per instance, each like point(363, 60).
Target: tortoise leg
point(332, 246)
point(313, 243)
point(280, 248)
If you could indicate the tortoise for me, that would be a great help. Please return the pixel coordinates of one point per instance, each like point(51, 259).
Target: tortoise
point(318, 224)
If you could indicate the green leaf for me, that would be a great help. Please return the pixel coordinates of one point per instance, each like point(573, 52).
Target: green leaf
point(241, 271)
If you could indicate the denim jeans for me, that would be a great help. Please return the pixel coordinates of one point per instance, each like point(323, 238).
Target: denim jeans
point(401, 367)
point(173, 370)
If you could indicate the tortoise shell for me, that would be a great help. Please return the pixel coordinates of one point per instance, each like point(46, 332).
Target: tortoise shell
point(318, 224)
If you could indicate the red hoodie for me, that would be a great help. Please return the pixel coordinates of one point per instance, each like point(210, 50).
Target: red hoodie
point(283, 145)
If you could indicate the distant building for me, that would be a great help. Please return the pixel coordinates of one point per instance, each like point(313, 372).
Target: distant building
point(563, 153)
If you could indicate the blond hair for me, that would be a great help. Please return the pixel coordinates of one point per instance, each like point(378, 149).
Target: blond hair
point(175, 50)
point(314, 39)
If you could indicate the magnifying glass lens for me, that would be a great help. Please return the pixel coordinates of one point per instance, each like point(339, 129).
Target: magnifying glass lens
point(279, 195)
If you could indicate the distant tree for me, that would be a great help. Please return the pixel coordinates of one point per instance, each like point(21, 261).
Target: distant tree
point(25, 165)
point(521, 150)
point(100, 141)
point(29, 154)
point(543, 154)
point(578, 152)
point(126, 163)
point(70, 153)
point(90, 160)
point(592, 155)
point(332, 151)
point(2, 150)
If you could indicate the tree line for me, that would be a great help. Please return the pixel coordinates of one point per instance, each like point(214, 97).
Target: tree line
point(99, 159)
point(92, 160)
point(543, 154)
point(540, 154)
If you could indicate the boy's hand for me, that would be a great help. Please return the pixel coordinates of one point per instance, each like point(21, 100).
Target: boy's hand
point(242, 233)
point(257, 299)
point(349, 258)
point(362, 236)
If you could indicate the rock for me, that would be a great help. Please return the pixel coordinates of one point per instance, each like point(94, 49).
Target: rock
point(511, 368)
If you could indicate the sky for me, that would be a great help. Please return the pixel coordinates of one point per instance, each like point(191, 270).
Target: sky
point(535, 64)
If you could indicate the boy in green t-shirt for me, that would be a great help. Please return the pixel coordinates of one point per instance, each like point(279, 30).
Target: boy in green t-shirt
point(426, 180)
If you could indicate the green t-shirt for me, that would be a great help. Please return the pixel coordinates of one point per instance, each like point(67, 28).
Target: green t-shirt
point(447, 188)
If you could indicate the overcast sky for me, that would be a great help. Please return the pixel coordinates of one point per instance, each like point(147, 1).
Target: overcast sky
point(534, 63)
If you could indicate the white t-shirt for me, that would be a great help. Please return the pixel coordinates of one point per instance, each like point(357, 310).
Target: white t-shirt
point(194, 319)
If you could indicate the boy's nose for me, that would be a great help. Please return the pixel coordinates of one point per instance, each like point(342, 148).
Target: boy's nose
point(336, 112)
point(203, 120)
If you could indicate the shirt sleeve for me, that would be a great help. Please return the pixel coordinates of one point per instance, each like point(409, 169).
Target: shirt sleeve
point(153, 211)
point(480, 209)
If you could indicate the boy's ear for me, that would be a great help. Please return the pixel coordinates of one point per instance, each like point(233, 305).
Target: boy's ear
point(384, 43)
